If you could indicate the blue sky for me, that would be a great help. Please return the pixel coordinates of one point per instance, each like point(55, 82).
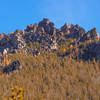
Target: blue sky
point(17, 14)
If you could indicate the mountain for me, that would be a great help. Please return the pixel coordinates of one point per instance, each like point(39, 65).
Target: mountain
point(48, 38)
point(42, 62)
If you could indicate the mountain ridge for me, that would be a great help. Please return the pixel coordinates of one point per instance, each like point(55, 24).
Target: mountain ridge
point(49, 37)
point(49, 63)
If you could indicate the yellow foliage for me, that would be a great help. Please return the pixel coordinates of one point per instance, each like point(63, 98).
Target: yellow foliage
point(72, 41)
point(64, 50)
point(62, 33)
point(17, 93)
point(20, 97)
point(20, 91)
point(90, 41)
point(68, 32)
point(6, 60)
point(0, 61)
point(71, 46)
point(94, 61)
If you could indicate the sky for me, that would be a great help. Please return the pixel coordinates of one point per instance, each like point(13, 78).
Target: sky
point(17, 14)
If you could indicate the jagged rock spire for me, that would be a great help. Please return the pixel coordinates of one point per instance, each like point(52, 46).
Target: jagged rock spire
point(90, 35)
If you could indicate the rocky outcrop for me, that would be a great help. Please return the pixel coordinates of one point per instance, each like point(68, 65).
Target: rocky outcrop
point(3, 35)
point(12, 67)
point(90, 35)
point(48, 37)
point(47, 26)
point(73, 31)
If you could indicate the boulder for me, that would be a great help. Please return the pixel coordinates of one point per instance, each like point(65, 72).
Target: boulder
point(12, 67)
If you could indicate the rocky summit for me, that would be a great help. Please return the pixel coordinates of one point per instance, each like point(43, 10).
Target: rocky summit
point(43, 62)
point(44, 35)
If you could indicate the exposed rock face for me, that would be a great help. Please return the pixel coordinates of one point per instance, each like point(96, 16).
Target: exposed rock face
point(94, 51)
point(43, 33)
point(12, 67)
point(97, 50)
point(32, 28)
point(73, 31)
point(54, 45)
point(65, 26)
point(48, 26)
point(48, 37)
point(2, 36)
point(13, 42)
point(91, 35)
